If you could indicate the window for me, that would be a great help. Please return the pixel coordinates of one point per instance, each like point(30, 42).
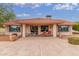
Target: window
point(34, 28)
point(15, 28)
point(63, 28)
point(44, 28)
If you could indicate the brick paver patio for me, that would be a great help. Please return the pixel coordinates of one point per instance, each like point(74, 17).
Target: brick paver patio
point(38, 46)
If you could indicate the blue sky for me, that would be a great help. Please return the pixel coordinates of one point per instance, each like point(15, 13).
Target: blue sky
point(65, 11)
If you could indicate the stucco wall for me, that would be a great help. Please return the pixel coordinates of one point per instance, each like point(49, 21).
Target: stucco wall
point(67, 33)
point(64, 33)
point(51, 29)
point(27, 29)
point(7, 30)
point(61, 33)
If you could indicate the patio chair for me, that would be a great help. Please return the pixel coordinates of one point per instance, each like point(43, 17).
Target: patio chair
point(49, 33)
point(46, 33)
point(28, 34)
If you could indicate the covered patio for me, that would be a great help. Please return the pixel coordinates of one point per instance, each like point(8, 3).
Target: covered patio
point(39, 26)
point(39, 30)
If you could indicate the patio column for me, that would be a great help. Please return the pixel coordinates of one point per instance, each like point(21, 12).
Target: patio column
point(70, 29)
point(54, 30)
point(6, 28)
point(23, 30)
point(49, 28)
point(39, 30)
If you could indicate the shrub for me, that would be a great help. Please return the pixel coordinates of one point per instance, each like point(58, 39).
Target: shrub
point(76, 26)
point(73, 40)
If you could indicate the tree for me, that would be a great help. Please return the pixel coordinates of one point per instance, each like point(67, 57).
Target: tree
point(6, 13)
point(48, 16)
point(76, 27)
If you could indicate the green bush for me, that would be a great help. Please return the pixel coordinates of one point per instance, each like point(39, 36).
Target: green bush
point(76, 26)
point(73, 40)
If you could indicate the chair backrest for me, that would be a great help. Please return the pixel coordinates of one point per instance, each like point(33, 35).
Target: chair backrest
point(49, 32)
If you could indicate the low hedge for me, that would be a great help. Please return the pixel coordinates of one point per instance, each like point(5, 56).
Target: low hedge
point(73, 40)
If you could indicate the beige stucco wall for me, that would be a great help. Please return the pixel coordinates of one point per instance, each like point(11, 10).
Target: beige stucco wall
point(7, 31)
point(39, 30)
point(27, 29)
point(66, 33)
point(6, 28)
point(52, 28)
point(55, 30)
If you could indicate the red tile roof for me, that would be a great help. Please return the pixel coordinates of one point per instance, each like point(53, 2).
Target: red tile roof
point(67, 23)
point(38, 21)
point(14, 22)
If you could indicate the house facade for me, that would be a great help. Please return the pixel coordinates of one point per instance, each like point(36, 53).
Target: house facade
point(39, 26)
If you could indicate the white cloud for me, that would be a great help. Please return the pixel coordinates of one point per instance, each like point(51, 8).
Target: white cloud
point(36, 5)
point(75, 4)
point(33, 6)
point(65, 6)
point(39, 13)
point(48, 4)
point(24, 14)
point(59, 6)
point(20, 4)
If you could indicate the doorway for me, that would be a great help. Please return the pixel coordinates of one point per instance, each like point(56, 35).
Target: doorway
point(34, 30)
